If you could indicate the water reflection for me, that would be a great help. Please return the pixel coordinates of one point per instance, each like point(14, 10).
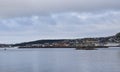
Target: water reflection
point(59, 60)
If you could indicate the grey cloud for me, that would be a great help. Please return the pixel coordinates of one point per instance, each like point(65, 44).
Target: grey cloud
point(13, 8)
point(61, 25)
point(69, 22)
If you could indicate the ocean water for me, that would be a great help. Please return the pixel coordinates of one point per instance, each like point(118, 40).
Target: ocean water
point(60, 60)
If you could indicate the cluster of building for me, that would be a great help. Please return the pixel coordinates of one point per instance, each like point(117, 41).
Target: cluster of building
point(86, 42)
point(58, 44)
point(97, 42)
point(77, 43)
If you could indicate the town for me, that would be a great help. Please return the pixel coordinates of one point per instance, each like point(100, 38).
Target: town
point(84, 43)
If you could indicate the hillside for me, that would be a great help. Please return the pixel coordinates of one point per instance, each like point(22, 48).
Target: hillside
point(70, 43)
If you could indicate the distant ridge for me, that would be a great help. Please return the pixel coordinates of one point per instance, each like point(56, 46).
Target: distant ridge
point(72, 43)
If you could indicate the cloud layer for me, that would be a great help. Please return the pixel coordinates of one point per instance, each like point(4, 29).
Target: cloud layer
point(24, 20)
point(59, 25)
point(13, 8)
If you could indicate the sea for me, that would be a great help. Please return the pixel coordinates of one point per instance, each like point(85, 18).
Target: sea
point(60, 60)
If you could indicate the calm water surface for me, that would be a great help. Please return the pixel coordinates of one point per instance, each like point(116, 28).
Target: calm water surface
point(60, 60)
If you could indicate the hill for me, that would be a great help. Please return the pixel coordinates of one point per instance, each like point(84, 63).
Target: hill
point(73, 43)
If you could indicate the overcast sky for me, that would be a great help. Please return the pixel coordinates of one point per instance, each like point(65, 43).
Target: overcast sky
point(28, 20)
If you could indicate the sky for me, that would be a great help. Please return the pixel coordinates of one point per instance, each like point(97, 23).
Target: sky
point(29, 20)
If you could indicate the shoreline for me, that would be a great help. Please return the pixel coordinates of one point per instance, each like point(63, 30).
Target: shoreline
point(77, 48)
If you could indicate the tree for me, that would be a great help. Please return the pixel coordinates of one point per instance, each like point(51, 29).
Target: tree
point(118, 36)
